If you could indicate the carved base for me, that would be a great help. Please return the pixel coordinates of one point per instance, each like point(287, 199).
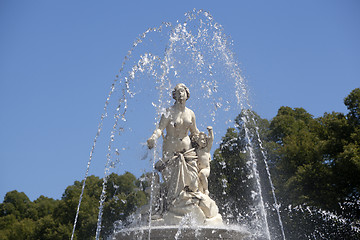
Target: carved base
point(178, 232)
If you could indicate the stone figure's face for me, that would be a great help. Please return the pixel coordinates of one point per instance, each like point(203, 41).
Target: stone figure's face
point(180, 94)
point(202, 140)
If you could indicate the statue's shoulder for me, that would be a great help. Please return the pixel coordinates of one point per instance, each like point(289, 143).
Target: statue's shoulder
point(168, 112)
point(189, 111)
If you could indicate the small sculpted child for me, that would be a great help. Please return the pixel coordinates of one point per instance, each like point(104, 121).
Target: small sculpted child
point(204, 144)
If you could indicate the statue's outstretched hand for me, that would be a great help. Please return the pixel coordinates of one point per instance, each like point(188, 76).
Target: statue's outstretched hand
point(151, 143)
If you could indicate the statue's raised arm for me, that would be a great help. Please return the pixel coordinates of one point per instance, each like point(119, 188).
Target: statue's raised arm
point(210, 138)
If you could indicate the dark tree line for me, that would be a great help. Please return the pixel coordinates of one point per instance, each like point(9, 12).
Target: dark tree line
point(314, 165)
point(46, 218)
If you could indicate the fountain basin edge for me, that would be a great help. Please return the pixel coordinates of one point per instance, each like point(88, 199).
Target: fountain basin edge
point(182, 232)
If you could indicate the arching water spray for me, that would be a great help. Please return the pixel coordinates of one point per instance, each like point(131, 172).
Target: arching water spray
point(91, 156)
point(196, 53)
point(243, 101)
point(138, 41)
point(255, 170)
point(276, 204)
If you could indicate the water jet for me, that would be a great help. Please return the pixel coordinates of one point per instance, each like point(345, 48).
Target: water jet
point(197, 54)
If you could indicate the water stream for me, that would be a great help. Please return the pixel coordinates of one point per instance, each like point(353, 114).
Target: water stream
point(196, 52)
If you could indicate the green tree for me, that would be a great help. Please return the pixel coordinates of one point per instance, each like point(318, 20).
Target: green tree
point(352, 102)
point(19, 205)
point(46, 218)
point(232, 178)
point(45, 206)
point(17, 216)
point(48, 228)
point(122, 198)
point(299, 173)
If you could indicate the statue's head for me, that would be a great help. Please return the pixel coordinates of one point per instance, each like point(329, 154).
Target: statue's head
point(179, 88)
point(199, 140)
point(202, 141)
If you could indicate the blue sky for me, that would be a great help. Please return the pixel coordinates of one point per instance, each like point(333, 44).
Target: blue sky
point(59, 58)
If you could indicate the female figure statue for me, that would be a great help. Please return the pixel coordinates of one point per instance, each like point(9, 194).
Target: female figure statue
point(178, 165)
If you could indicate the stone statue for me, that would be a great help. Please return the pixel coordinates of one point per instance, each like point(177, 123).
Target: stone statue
point(203, 146)
point(184, 166)
point(183, 197)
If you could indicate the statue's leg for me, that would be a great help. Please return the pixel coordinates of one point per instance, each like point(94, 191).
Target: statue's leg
point(203, 175)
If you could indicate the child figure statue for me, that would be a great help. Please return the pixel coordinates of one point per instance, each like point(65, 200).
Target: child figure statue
point(204, 144)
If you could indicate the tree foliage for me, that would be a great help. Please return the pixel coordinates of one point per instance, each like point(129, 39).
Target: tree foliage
point(46, 218)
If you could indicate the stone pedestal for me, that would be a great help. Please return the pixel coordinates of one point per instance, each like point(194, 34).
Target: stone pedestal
point(185, 233)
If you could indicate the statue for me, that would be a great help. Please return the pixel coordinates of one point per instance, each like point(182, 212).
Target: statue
point(183, 197)
point(203, 146)
point(184, 165)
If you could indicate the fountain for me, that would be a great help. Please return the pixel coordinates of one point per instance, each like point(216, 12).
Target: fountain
point(195, 55)
point(184, 195)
